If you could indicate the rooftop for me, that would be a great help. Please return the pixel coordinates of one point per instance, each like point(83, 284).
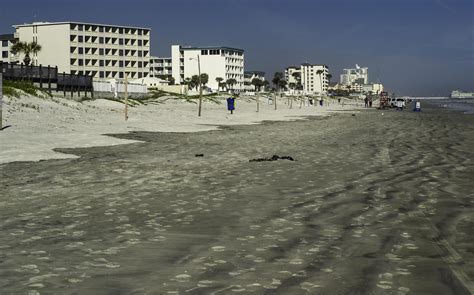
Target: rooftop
point(76, 23)
point(7, 37)
point(211, 47)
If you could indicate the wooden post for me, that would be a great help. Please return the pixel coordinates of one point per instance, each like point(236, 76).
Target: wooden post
point(49, 79)
point(200, 86)
point(301, 101)
point(291, 102)
point(41, 76)
point(258, 103)
point(126, 97)
point(275, 101)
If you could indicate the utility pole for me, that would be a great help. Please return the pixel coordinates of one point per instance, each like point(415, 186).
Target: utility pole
point(200, 86)
point(126, 97)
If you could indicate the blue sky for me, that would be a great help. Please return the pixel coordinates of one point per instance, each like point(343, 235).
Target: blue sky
point(414, 47)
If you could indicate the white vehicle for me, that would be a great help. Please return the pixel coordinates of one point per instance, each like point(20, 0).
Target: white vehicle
point(393, 103)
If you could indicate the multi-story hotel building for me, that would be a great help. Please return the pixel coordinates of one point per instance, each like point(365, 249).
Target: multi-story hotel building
point(6, 41)
point(102, 51)
point(216, 62)
point(311, 81)
point(291, 77)
point(358, 76)
point(160, 66)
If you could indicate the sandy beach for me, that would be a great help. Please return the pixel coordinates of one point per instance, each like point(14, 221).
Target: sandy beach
point(372, 204)
point(38, 126)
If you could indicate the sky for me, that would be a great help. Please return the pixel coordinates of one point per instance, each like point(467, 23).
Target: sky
point(413, 47)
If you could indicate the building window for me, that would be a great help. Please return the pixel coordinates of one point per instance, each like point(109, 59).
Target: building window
point(80, 27)
point(101, 40)
point(120, 41)
point(101, 63)
point(121, 63)
point(5, 43)
point(81, 39)
point(121, 30)
point(101, 74)
point(121, 52)
point(139, 32)
point(4, 54)
point(203, 52)
point(81, 62)
point(139, 42)
point(121, 75)
point(81, 50)
point(140, 53)
point(139, 64)
point(101, 51)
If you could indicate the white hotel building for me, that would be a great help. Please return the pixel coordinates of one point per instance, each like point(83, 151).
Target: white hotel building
point(311, 81)
point(216, 62)
point(102, 51)
point(6, 42)
point(160, 66)
point(358, 76)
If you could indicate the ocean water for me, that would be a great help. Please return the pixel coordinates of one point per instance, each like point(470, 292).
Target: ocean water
point(463, 105)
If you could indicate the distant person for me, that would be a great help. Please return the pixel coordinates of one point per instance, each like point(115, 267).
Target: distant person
point(366, 100)
point(321, 101)
point(370, 101)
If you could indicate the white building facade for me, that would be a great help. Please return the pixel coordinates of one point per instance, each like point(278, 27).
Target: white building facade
point(293, 75)
point(101, 51)
point(358, 76)
point(248, 78)
point(161, 66)
point(217, 62)
point(312, 82)
point(6, 42)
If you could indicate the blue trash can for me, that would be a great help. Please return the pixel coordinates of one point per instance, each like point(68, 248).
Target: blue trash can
point(231, 104)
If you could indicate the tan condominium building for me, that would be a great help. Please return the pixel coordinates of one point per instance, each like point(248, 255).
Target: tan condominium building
point(102, 51)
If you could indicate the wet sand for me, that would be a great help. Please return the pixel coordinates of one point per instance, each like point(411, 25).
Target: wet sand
point(372, 205)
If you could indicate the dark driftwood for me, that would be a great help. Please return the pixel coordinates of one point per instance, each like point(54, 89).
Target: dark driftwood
point(273, 158)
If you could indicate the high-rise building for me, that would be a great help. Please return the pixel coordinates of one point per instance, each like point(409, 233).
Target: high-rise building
point(102, 51)
point(217, 62)
point(314, 78)
point(358, 76)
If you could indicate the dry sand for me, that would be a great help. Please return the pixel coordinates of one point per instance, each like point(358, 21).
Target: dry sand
point(40, 125)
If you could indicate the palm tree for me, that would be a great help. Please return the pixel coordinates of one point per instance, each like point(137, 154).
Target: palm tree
point(257, 83)
point(219, 83)
point(27, 49)
point(277, 78)
point(230, 83)
point(319, 73)
point(204, 79)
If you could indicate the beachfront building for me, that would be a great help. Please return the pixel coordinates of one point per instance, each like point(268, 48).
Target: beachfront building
point(358, 76)
point(248, 78)
point(6, 42)
point(102, 51)
point(312, 82)
point(217, 62)
point(293, 75)
point(375, 88)
point(160, 67)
